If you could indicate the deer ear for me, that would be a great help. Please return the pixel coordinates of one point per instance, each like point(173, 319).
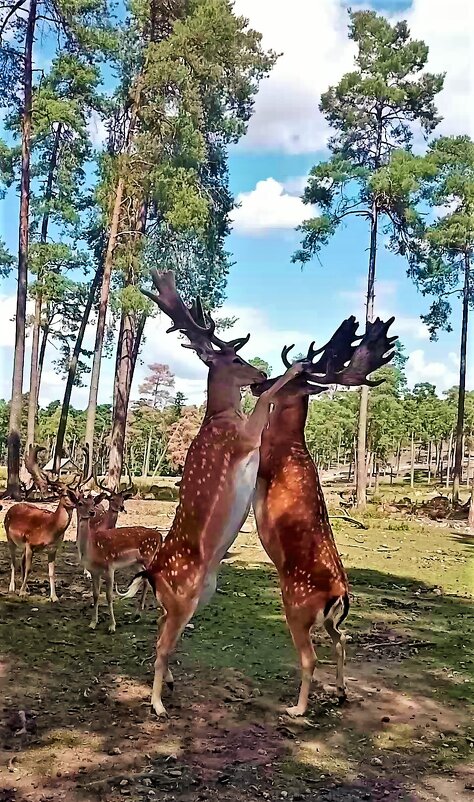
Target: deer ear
point(100, 497)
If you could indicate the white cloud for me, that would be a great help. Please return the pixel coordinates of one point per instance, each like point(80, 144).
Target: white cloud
point(418, 369)
point(268, 207)
point(316, 51)
point(386, 305)
point(97, 130)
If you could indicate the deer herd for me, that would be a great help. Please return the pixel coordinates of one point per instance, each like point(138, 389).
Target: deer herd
point(234, 462)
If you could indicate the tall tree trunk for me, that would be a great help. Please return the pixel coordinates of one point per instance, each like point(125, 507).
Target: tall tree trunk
point(146, 461)
point(377, 478)
point(58, 450)
point(458, 457)
point(14, 439)
point(361, 469)
point(470, 520)
point(34, 371)
point(439, 462)
point(429, 463)
point(399, 456)
point(128, 347)
point(100, 330)
point(449, 459)
point(412, 461)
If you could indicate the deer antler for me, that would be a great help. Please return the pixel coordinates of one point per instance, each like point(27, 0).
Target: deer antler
point(194, 322)
point(40, 479)
point(374, 350)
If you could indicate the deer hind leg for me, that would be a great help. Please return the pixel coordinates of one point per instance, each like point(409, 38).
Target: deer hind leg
point(28, 557)
point(332, 622)
point(51, 567)
point(109, 592)
point(12, 549)
point(300, 625)
point(143, 596)
point(96, 580)
point(174, 623)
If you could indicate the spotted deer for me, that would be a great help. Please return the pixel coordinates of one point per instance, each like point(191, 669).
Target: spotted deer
point(107, 518)
point(218, 478)
point(289, 506)
point(31, 529)
point(104, 551)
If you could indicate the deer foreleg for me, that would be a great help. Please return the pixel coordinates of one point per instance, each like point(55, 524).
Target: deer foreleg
point(173, 626)
point(301, 634)
point(12, 548)
point(96, 580)
point(339, 641)
point(260, 414)
point(51, 566)
point(28, 560)
point(143, 596)
point(109, 592)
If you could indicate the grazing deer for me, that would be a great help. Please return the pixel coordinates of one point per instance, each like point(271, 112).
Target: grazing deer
point(290, 511)
point(218, 479)
point(33, 529)
point(103, 551)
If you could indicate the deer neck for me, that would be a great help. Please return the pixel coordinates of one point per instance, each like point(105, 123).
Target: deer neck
point(83, 533)
point(222, 396)
point(287, 422)
point(62, 516)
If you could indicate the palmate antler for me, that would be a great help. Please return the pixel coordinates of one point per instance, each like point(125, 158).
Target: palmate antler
point(373, 351)
point(194, 322)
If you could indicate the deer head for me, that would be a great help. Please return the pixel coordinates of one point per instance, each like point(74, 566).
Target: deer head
point(346, 359)
point(198, 326)
point(116, 500)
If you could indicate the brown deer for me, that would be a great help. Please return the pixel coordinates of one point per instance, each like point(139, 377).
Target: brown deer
point(290, 511)
point(218, 479)
point(31, 529)
point(103, 551)
point(107, 518)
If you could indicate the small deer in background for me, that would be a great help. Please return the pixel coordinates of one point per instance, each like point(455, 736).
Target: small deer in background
point(218, 478)
point(31, 529)
point(103, 551)
point(290, 511)
point(107, 518)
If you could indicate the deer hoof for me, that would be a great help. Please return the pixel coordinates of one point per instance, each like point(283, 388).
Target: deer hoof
point(159, 708)
point(54, 599)
point(92, 624)
point(295, 711)
point(341, 695)
point(22, 593)
point(112, 629)
point(11, 589)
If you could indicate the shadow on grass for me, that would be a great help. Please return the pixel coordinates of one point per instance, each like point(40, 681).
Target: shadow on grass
point(85, 696)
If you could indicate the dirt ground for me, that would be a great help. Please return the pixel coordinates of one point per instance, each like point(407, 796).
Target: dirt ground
point(83, 697)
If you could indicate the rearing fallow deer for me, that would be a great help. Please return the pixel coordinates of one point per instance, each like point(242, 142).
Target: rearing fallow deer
point(290, 511)
point(31, 529)
point(218, 478)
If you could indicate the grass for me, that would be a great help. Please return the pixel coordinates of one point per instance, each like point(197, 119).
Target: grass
point(411, 676)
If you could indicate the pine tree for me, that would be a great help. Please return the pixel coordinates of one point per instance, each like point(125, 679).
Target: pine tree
point(372, 110)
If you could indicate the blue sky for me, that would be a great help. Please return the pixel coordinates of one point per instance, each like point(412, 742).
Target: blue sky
point(273, 298)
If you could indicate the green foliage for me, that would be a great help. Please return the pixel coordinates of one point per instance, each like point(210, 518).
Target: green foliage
point(373, 111)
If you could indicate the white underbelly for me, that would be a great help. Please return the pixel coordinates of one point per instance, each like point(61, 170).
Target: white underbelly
point(244, 488)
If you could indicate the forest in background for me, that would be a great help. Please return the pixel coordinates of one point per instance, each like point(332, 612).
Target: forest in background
point(172, 86)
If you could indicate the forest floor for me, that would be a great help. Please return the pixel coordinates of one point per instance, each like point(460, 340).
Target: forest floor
point(404, 734)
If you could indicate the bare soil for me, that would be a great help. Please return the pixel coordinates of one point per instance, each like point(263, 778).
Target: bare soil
point(75, 718)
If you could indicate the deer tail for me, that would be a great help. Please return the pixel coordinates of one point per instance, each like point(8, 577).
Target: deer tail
point(137, 584)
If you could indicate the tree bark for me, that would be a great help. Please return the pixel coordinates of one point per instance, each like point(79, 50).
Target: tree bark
point(34, 365)
point(14, 438)
point(128, 347)
point(100, 330)
point(470, 519)
point(412, 461)
point(58, 449)
point(361, 470)
point(146, 461)
point(429, 463)
point(458, 456)
point(449, 459)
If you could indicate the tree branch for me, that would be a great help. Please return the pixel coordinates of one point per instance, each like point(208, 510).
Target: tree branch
point(10, 14)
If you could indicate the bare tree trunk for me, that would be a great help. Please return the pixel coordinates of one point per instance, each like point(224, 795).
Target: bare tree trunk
point(100, 330)
point(14, 439)
point(429, 463)
point(412, 461)
point(146, 461)
point(470, 520)
point(458, 458)
point(377, 478)
point(58, 450)
point(439, 461)
point(34, 372)
point(127, 353)
point(449, 459)
point(369, 467)
point(361, 473)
